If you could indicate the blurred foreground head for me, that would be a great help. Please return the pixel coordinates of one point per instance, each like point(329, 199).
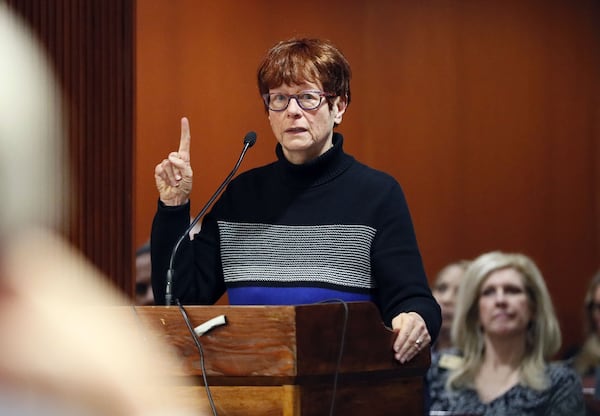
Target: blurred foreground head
point(64, 351)
point(33, 172)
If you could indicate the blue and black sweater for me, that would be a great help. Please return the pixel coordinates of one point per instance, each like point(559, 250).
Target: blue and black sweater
point(287, 234)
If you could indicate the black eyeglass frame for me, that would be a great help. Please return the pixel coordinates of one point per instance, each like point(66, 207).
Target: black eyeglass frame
point(267, 99)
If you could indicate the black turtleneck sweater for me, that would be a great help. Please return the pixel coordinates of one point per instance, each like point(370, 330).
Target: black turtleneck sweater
point(289, 234)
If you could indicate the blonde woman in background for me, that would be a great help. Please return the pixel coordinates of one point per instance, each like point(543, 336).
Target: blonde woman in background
point(587, 359)
point(506, 330)
point(445, 290)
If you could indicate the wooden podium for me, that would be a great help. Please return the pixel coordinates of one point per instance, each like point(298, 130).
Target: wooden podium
point(282, 360)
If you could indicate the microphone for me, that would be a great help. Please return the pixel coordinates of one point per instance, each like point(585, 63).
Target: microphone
point(249, 140)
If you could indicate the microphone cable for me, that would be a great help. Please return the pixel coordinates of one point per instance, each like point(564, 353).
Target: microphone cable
point(201, 352)
point(337, 366)
point(340, 353)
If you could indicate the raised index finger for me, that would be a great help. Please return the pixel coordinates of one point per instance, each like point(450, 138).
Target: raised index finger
point(184, 141)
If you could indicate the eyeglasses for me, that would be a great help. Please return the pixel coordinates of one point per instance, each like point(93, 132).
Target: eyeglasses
point(307, 100)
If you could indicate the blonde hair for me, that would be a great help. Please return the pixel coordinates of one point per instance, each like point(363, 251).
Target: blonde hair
point(543, 337)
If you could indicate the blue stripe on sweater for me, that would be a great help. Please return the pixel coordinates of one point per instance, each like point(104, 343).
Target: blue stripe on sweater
point(289, 295)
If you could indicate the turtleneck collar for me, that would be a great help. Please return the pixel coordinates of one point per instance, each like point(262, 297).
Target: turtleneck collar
point(317, 171)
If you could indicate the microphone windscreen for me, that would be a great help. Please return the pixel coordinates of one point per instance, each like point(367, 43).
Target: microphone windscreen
point(250, 138)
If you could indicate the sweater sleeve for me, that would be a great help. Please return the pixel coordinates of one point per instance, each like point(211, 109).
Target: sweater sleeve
point(168, 225)
point(196, 264)
point(398, 267)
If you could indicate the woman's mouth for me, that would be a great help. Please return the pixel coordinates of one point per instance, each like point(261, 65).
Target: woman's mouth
point(295, 130)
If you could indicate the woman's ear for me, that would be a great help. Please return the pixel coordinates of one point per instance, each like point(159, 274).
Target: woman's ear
point(339, 107)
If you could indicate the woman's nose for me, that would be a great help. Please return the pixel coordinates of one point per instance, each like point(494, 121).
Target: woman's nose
point(293, 107)
point(446, 297)
point(500, 296)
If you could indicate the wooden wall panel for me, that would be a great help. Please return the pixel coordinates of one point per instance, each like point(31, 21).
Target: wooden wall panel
point(487, 113)
point(91, 46)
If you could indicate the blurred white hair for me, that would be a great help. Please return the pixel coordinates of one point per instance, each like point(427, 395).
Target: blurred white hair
point(33, 174)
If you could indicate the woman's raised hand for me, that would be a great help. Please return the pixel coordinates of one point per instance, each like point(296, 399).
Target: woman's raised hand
point(174, 174)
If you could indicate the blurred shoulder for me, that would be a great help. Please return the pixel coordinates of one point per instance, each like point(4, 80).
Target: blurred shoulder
point(562, 375)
